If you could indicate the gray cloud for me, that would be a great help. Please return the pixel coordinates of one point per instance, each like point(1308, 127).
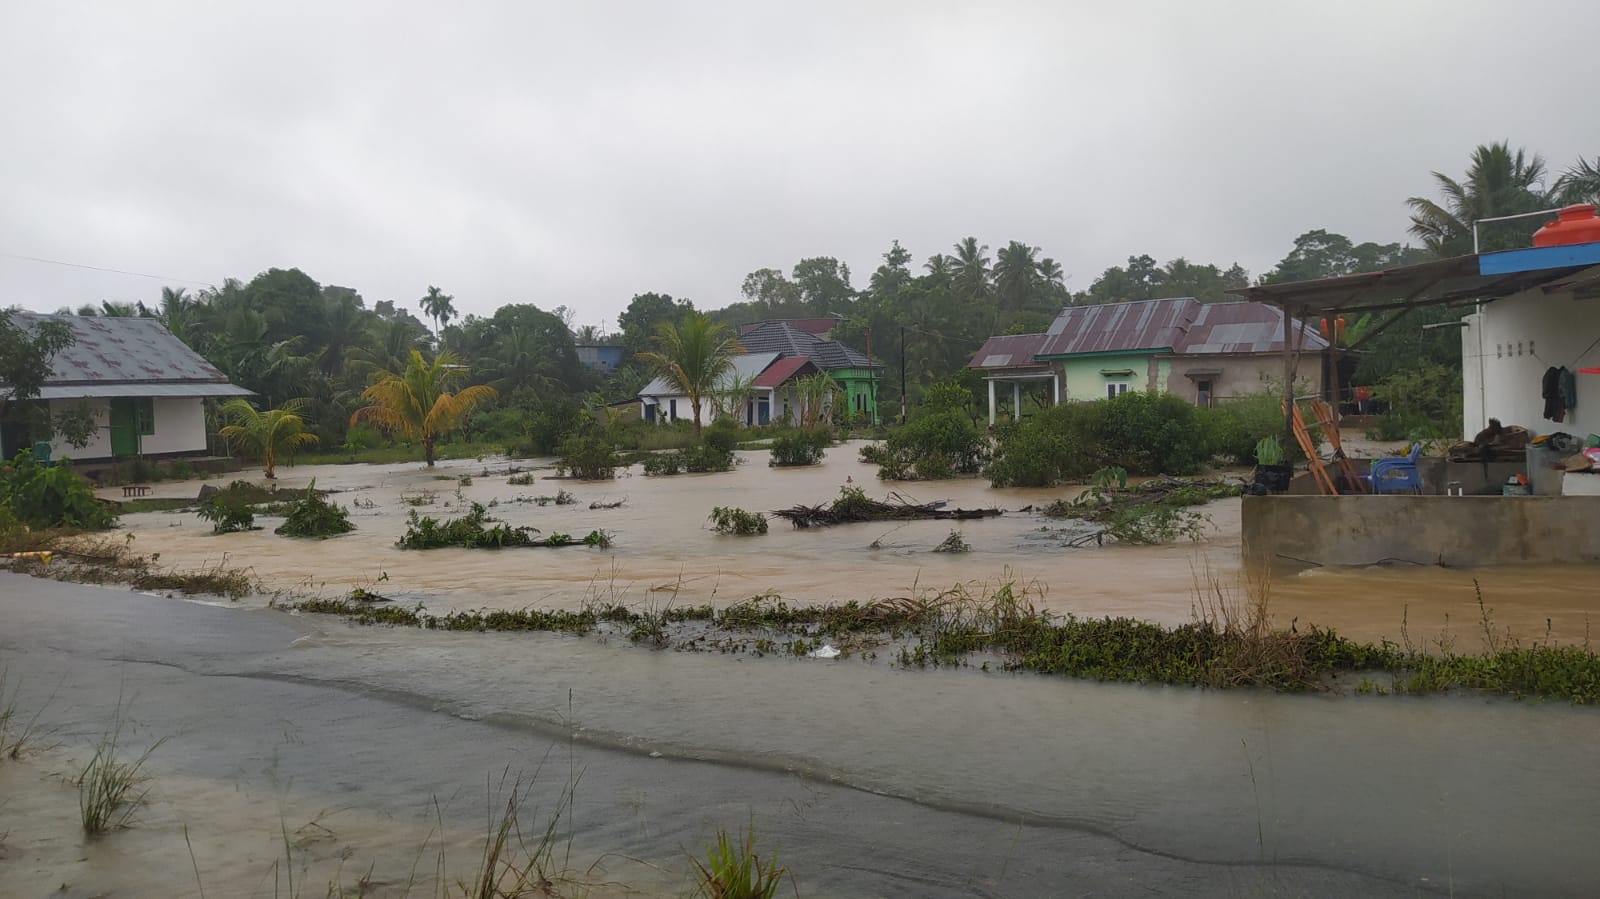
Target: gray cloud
point(578, 153)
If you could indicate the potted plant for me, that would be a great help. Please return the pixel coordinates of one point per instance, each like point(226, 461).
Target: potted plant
point(1272, 475)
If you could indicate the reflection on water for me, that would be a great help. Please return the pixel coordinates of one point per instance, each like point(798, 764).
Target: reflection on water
point(664, 552)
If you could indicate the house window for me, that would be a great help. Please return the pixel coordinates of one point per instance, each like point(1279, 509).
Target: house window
point(1116, 388)
point(1202, 394)
point(145, 410)
point(672, 410)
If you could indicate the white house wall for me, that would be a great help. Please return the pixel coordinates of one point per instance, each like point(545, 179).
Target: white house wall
point(180, 427)
point(1505, 350)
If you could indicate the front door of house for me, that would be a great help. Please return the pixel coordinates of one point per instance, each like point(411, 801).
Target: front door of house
point(124, 427)
point(763, 412)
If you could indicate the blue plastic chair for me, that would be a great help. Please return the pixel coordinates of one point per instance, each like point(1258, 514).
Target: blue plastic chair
point(1397, 475)
point(41, 453)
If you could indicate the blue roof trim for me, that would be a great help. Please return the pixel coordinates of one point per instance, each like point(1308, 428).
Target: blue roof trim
point(1537, 258)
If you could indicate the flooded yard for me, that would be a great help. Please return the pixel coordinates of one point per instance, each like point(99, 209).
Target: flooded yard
point(664, 552)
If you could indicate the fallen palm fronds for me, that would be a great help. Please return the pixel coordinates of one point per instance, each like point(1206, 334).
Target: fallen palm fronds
point(854, 505)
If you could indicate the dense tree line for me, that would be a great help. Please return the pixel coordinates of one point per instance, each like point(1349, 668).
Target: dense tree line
point(291, 339)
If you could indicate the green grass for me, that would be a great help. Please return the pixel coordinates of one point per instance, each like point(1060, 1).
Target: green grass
point(108, 788)
point(733, 870)
point(156, 504)
point(389, 455)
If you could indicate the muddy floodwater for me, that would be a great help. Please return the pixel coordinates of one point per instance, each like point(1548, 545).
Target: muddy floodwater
point(299, 744)
point(664, 552)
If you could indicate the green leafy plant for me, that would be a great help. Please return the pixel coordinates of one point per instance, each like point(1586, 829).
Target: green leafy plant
point(228, 514)
point(590, 457)
point(800, 448)
point(51, 496)
point(313, 516)
point(1269, 451)
point(725, 520)
point(733, 870)
point(932, 446)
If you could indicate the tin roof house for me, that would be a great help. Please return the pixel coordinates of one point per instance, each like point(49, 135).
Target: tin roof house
point(144, 387)
point(1203, 352)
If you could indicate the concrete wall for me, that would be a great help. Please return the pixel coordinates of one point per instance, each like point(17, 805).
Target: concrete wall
point(180, 427)
point(1464, 531)
point(1505, 350)
point(1082, 381)
point(1242, 375)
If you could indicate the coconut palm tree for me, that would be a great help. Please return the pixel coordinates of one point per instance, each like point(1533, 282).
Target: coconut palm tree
point(438, 306)
point(1580, 183)
point(1016, 275)
point(421, 403)
point(692, 355)
point(970, 268)
point(265, 434)
point(1499, 182)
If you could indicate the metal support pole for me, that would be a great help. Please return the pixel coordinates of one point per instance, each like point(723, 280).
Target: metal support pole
point(991, 402)
point(1288, 383)
point(1016, 400)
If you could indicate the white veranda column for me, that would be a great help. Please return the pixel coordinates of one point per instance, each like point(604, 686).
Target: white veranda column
point(1055, 382)
point(991, 403)
point(1016, 400)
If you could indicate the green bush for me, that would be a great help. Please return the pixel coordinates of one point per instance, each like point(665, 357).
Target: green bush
point(1231, 429)
point(726, 520)
point(1144, 433)
point(1423, 403)
point(51, 496)
point(312, 516)
point(932, 446)
point(469, 531)
point(800, 448)
point(590, 457)
point(696, 459)
point(722, 437)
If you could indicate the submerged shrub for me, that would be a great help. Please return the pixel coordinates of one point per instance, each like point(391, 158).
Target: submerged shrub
point(476, 530)
point(725, 520)
point(800, 448)
point(590, 457)
point(313, 516)
point(51, 496)
point(228, 513)
point(1145, 433)
point(695, 459)
point(933, 446)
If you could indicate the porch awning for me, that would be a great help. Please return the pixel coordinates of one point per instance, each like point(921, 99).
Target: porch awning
point(1202, 373)
point(1112, 372)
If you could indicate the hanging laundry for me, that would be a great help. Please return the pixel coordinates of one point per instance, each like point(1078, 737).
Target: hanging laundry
point(1550, 389)
point(1569, 389)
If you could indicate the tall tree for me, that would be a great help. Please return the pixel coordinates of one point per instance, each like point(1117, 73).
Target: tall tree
point(439, 306)
point(969, 269)
point(768, 288)
point(823, 284)
point(692, 355)
point(1016, 276)
point(266, 434)
point(645, 312)
point(421, 402)
point(1499, 181)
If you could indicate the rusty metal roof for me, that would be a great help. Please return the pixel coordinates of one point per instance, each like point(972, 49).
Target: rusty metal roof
point(1243, 328)
point(1013, 352)
point(114, 350)
point(1119, 327)
point(1180, 325)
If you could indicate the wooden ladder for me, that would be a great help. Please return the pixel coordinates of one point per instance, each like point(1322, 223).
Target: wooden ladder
point(1303, 437)
point(1330, 432)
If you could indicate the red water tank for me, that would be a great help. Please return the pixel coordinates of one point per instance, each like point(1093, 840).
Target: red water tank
point(1574, 224)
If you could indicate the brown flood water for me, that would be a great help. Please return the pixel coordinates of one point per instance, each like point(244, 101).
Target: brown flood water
point(664, 552)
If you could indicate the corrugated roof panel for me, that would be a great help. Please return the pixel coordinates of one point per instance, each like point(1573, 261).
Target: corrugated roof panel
point(119, 350)
point(746, 366)
point(1010, 352)
point(190, 389)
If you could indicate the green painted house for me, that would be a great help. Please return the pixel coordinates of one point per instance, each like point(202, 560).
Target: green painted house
point(1204, 352)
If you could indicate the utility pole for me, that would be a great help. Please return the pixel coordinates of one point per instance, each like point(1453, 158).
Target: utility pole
point(902, 374)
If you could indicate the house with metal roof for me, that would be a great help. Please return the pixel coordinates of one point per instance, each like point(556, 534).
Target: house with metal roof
point(1203, 352)
point(145, 388)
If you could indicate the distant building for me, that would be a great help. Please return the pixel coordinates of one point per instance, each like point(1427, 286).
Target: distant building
point(145, 387)
point(603, 359)
point(1203, 352)
point(769, 393)
point(856, 375)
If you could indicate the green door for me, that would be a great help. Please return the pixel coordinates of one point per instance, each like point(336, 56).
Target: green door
point(124, 427)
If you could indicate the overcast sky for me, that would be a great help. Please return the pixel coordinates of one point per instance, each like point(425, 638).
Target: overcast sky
point(579, 153)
